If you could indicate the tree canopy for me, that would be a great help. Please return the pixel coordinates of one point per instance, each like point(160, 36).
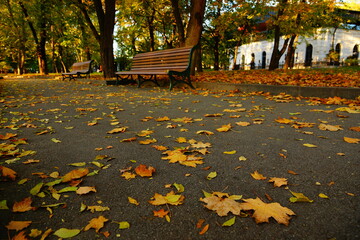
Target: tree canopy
point(49, 35)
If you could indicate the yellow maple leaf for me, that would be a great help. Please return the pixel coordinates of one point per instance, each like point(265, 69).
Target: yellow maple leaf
point(278, 182)
point(148, 141)
point(224, 128)
point(96, 223)
point(170, 198)
point(258, 176)
point(75, 174)
point(128, 175)
point(263, 211)
point(133, 201)
point(181, 140)
point(222, 204)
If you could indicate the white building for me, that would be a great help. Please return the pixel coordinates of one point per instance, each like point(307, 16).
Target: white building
point(310, 51)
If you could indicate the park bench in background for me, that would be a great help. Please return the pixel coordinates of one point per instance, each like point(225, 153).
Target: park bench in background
point(175, 63)
point(78, 70)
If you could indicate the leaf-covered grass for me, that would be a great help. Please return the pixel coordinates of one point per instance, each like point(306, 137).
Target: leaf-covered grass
point(322, 77)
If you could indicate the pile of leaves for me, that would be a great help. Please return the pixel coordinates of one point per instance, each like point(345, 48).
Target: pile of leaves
point(339, 77)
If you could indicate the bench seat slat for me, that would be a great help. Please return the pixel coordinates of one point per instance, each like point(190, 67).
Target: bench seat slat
point(78, 69)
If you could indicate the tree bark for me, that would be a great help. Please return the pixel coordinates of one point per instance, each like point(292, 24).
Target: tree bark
point(289, 60)
point(178, 21)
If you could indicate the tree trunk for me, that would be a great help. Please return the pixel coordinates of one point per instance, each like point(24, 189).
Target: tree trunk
point(289, 60)
point(216, 51)
point(178, 21)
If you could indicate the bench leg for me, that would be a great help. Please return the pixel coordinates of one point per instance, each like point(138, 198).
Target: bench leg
point(124, 80)
point(181, 79)
point(141, 80)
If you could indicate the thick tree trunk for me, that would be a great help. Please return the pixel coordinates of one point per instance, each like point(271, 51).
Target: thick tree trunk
point(289, 60)
point(178, 21)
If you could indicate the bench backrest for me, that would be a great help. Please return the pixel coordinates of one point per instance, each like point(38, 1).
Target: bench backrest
point(81, 66)
point(176, 59)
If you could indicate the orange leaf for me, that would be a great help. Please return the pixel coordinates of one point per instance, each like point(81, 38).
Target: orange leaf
point(263, 211)
point(74, 174)
point(204, 230)
point(292, 172)
point(161, 213)
point(162, 119)
point(222, 204)
point(23, 206)
point(128, 175)
point(18, 225)
point(7, 172)
point(356, 129)
point(144, 171)
point(224, 128)
point(258, 176)
point(200, 223)
point(159, 147)
point(351, 140)
point(20, 236)
point(7, 136)
point(96, 223)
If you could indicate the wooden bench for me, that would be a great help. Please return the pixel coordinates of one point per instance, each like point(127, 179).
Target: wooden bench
point(175, 63)
point(78, 70)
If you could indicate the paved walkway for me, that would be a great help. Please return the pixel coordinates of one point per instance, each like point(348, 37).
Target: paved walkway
point(69, 122)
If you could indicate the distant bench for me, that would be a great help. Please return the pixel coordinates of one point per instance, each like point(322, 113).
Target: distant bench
point(175, 63)
point(78, 70)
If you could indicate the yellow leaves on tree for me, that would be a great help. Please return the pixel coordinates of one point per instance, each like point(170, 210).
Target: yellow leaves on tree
point(7, 172)
point(96, 223)
point(263, 211)
point(222, 204)
point(170, 198)
point(23, 206)
point(75, 174)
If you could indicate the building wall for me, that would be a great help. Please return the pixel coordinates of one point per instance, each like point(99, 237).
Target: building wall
point(321, 44)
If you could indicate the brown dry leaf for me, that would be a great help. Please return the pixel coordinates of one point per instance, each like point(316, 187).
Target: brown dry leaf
point(224, 128)
point(170, 198)
point(201, 145)
point(96, 223)
point(200, 223)
point(23, 206)
point(278, 182)
point(117, 130)
point(222, 204)
point(161, 213)
point(75, 174)
point(351, 140)
point(8, 172)
point(85, 190)
point(263, 211)
point(205, 132)
point(328, 127)
point(258, 176)
point(144, 171)
point(18, 225)
point(292, 172)
point(214, 115)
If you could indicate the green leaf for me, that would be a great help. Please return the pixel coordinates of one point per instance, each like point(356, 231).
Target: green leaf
point(299, 197)
point(229, 222)
point(236, 197)
point(310, 145)
point(93, 173)
point(35, 190)
point(12, 160)
point(22, 181)
point(78, 164)
point(53, 183)
point(323, 195)
point(179, 187)
point(211, 175)
point(66, 233)
point(123, 225)
point(3, 205)
point(173, 198)
point(68, 189)
point(82, 207)
point(206, 194)
point(55, 140)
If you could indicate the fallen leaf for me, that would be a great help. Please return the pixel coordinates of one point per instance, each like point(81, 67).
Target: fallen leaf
point(205, 132)
point(211, 175)
point(66, 233)
point(278, 182)
point(8, 172)
point(85, 190)
point(7, 136)
point(328, 127)
point(23, 206)
point(299, 197)
point(117, 130)
point(20, 236)
point(148, 141)
point(170, 198)
point(96, 223)
point(97, 208)
point(133, 201)
point(292, 172)
point(144, 171)
point(310, 145)
point(222, 204)
point(181, 140)
point(204, 230)
point(356, 129)
point(123, 225)
point(229, 222)
point(351, 140)
point(258, 176)
point(18, 225)
point(128, 175)
point(230, 152)
point(322, 195)
point(160, 213)
point(263, 211)
point(55, 140)
point(75, 174)
point(243, 124)
point(224, 128)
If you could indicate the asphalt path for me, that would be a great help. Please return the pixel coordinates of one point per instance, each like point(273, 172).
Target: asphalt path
point(75, 118)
